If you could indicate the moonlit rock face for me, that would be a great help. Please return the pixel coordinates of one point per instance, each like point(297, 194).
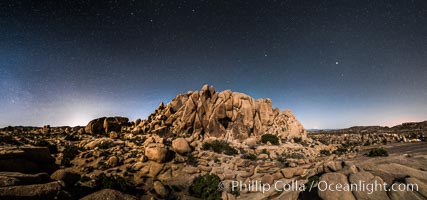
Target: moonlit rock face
point(226, 114)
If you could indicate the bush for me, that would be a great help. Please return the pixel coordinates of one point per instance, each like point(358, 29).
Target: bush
point(274, 140)
point(68, 154)
point(297, 140)
point(311, 181)
point(325, 152)
point(340, 151)
point(375, 152)
point(250, 156)
point(103, 181)
point(264, 151)
point(281, 159)
point(192, 160)
point(219, 147)
point(71, 138)
point(206, 187)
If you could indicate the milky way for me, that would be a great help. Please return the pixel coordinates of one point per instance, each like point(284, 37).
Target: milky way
point(333, 63)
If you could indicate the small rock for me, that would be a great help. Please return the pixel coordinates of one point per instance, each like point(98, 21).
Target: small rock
point(114, 135)
point(113, 161)
point(160, 189)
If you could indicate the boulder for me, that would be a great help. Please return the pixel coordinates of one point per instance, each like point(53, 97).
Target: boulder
point(333, 179)
point(67, 176)
point(36, 191)
point(26, 159)
point(180, 145)
point(95, 126)
point(160, 189)
point(16, 178)
point(367, 178)
point(156, 152)
point(114, 124)
point(113, 161)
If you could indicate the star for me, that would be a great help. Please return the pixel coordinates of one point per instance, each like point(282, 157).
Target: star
point(337, 63)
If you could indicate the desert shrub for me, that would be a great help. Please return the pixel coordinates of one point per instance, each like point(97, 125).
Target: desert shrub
point(192, 160)
point(340, 151)
point(281, 159)
point(325, 152)
point(103, 181)
point(270, 138)
point(297, 140)
point(264, 151)
point(311, 181)
point(206, 187)
point(375, 152)
point(249, 156)
point(68, 154)
point(71, 138)
point(242, 150)
point(220, 147)
point(41, 143)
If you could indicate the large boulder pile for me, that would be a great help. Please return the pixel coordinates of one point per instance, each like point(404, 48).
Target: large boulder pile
point(224, 115)
point(106, 125)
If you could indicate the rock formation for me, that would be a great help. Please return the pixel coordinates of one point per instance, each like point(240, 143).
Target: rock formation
point(106, 125)
point(223, 115)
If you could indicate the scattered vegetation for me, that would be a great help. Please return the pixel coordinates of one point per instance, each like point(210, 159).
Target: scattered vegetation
point(206, 187)
point(281, 159)
point(249, 156)
point(264, 151)
point(312, 181)
point(192, 160)
point(103, 181)
point(68, 154)
point(242, 150)
point(325, 152)
point(375, 152)
point(71, 138)
point(274, 140)
point(297, 140)
point(220, 147)
point(340, 151)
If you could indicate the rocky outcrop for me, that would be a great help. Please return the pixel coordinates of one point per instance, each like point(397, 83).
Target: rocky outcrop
point(106, 125)
point(50, 190)
point(224, 115)
point(26, 159)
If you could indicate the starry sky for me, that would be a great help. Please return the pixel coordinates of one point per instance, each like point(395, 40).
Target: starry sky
point(334, 63)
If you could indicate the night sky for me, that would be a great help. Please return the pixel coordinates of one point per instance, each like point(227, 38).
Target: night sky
point(333, 63)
